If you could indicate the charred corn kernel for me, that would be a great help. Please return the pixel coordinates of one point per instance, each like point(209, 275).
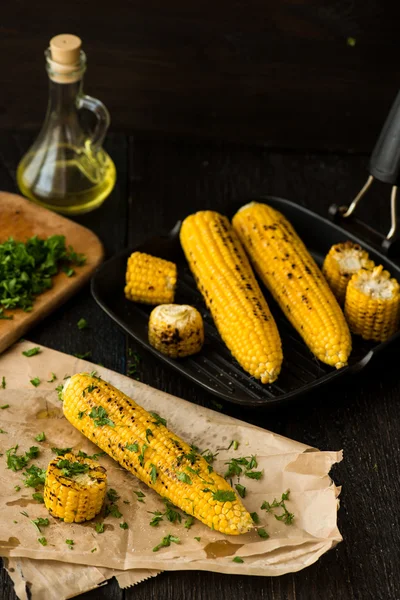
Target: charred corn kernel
point(294, 279)
point(229, 287)
point(372, 305)
point(149, 279)
point(74, 496)
point(140, 443)
point(176, 330)
point(341, 262)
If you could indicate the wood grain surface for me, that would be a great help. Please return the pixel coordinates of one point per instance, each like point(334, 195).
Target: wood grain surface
point(20, 220)
point(160, 180)
point(280, 73)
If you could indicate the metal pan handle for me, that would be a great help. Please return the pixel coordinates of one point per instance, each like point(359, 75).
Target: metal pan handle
point(384, 163)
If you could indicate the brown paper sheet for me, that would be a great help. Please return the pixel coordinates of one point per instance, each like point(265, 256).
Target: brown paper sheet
point(286, 464)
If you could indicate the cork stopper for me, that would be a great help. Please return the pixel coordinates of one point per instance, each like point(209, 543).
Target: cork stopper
point(66, 60)
point(65, 49)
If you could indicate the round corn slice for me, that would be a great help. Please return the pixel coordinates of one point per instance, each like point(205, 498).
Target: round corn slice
point(372, 305)
point(75, 488)
point(176, 330)
point(341, 262)
point(149, 279)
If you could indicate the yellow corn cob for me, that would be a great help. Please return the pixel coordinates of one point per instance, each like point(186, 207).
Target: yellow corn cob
point(140, 443)
point(74, 498)
point(232, 294)
point(294, 279)
point(372, 305)
point(341, 262)
point(176, 330)
point(149, 279)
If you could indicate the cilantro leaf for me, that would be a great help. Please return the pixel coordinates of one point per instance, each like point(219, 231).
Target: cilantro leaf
point(82, 324)
point(166, 541)
point(158, 420)
point(224, 496)
point(41, 437)
point(35, 381)
point(100, 417)
point(32, 351)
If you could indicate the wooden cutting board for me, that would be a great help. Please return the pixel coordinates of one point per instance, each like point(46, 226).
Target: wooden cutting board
point(21, 219)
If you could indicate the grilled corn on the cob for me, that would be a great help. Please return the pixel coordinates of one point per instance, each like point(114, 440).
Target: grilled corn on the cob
point(294, 279)
point(341, 262)
point(149, 279)
point(372, 305)
point(75, 488)
point(232, 294)
point(176, 330)
point(140, 443)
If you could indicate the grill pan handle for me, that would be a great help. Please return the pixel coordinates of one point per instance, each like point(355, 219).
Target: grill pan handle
point(384, 163)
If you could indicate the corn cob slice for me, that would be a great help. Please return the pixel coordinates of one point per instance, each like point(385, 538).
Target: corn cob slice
point(75, 488)
point(232, 294)
point(176, 330)
point(341, 262)
point(372, 305)
point(294, 279)
point(140, 443)
point(149, 279)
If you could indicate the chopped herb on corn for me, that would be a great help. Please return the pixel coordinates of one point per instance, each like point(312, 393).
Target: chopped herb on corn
point(158, 461)
point(75, 488)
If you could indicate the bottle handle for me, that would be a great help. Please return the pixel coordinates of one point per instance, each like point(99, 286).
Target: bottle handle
point(102, 115)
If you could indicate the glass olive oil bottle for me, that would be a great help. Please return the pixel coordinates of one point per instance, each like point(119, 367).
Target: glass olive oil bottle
point(66, 169)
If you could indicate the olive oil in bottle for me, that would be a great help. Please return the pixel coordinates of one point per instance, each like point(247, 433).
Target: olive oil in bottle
point(66, 169)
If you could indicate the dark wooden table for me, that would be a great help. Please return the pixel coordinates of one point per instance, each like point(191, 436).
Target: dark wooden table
point(159, 182)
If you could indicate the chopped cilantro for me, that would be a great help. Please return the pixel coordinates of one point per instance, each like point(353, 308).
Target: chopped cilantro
point(32, 351)
point(172, 515)
point(166, 541)
point(153, 473)
point(139, 494)
point(237, 559)
point(81, 413)
point(39, 497)
point(41, 437)
point(224, 496)
point(100, 417)
point(197, 538)
point(209, 456)
point(82, 324)
point(99, 527)
point(158, 420)
point(14, 461)
point(148, 434)
point(254, 474)
point(90, 388)
point(112, 509)
point(112, 495)
point(59, 390)
point(3, 382)
point(189, 522)
point(184, 478)
point(158, 516)
point(132, 447)
point(69, 469)
point(123, 525)
point(133, 364)
point(17, 488)
point(241, 490)
point(43, 541)
point(53, 378)
point(2, 431)
point(5, 406)
point(95, 456)
point(93, 550)
point(69, 271)
point(70, 543)
point(34, 476)
point(84, 355)
point(235, 444)
point(255, 517)
point(35, 381)
point(61, 451)
point(262, 533)
point(286, 516)
point(141, 455)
